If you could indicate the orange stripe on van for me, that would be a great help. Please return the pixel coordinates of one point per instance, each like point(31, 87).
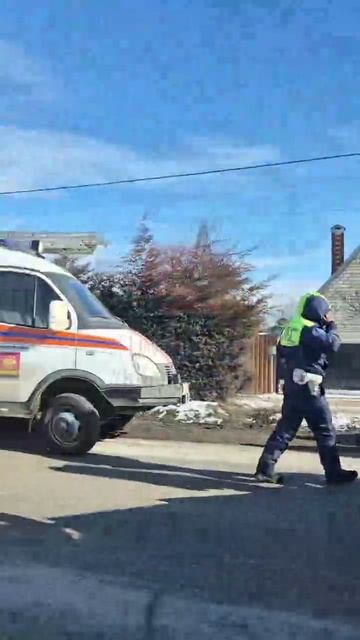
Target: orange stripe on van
point(45, 337)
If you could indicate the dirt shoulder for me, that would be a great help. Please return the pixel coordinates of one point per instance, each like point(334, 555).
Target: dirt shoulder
point(248, 424)
point(249, 421)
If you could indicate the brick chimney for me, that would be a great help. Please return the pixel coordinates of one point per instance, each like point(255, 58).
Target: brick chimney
point(337, 247)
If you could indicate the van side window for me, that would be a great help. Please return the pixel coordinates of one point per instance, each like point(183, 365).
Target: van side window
point(43, 296)
point(16, 298)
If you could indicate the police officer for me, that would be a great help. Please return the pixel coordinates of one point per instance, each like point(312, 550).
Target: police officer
point(305, 344)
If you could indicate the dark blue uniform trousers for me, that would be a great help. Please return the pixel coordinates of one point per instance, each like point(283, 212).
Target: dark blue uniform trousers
point(299, 404)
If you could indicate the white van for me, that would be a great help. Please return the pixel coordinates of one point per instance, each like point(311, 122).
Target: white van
point(67, 363)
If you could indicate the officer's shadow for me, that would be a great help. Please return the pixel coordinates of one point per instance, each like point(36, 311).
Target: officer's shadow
point(191, 478)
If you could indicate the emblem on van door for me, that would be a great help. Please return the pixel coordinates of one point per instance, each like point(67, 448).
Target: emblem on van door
point(9, 364)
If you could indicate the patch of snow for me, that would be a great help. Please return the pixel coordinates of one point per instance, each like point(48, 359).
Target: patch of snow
point(194, 411)
point(346, 423)
point(341, 423)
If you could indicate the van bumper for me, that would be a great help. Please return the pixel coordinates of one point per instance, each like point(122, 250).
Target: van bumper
point(146, 397)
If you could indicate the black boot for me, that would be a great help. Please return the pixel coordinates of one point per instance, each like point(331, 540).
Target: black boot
point(342, 477)
point(265, 472)
point(269, 478)
point(334, 474)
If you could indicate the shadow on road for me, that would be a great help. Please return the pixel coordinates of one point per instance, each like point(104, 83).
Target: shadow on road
point(292, 548)
point(117, 468)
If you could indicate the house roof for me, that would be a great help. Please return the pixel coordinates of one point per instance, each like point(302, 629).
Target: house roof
point(352, 257)
point(342, 290)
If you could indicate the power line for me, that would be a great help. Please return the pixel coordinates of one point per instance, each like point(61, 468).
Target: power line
point(189, 174)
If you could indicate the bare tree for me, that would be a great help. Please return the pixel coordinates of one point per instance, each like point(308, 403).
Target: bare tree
point(81, 270)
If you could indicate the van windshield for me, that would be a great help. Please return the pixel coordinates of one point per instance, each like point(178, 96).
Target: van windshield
point(86, 305)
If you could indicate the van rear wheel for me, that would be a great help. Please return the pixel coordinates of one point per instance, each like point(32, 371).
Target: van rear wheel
point(71, 425)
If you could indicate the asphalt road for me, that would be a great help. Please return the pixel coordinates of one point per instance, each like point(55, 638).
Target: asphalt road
point(148, 540)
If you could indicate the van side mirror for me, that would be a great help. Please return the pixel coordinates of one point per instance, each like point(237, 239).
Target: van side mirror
point(58, 315)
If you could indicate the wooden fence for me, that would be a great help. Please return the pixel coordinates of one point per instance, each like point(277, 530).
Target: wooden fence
point(262, 364)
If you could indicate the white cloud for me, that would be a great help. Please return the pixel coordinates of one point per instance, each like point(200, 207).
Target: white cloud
point(290, 282)
point(289, 263)
point(28, 77)
point(220, 151)
point(291, 279)
point(276, 263)
point(37, 158)
point(286, 293)
point(284, 288)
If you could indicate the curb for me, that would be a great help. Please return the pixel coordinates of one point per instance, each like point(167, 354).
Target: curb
point(58, 603)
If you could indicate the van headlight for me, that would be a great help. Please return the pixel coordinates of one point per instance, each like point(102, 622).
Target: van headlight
point(145, 367)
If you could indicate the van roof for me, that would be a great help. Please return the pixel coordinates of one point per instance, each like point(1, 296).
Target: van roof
point(22, 260)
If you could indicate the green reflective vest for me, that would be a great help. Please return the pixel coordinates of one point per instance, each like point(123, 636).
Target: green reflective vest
point(291, 334)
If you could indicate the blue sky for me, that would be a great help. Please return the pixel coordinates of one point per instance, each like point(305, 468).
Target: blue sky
point(143, 87)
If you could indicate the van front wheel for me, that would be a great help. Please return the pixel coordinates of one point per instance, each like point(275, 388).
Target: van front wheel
point(71, 425)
